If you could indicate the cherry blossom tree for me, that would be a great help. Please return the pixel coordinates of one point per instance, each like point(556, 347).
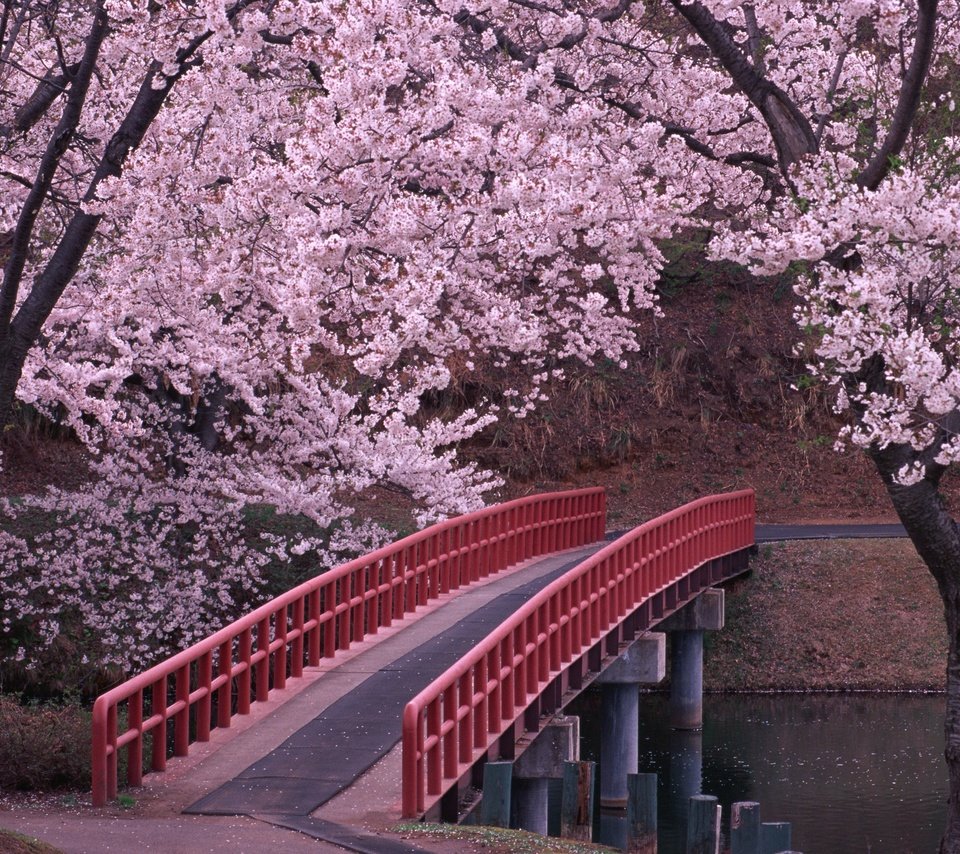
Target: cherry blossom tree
point(245, 242)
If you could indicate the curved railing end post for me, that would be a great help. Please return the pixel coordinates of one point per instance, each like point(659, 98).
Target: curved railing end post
point(411, 760)
point(99, 752)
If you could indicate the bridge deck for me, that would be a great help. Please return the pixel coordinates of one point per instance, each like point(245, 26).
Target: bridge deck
point(358, 704)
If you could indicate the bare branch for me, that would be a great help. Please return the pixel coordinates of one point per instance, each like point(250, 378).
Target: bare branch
point(831, 92)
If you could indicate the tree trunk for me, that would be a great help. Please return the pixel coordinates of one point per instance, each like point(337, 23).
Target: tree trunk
point(936, 537)
point(13, 356)
point(950, 843)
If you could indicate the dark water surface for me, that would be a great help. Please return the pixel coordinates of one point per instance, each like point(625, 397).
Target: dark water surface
point(853, 773)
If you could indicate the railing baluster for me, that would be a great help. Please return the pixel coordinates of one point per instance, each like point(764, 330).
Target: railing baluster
point(313, 642)
point(114, 759)
point(181, 720)
point(371, 623)
point(434, 755)
point(205, 703)
point(224, 670)
point(135, 748)
point(386, 601)
point(451, 738)
point(158, 707)
point(357, 602)
point(507, 690)
point(342, 598)
point(330, 615)
point(489, 701)
point(422, 559)
point(280, 656)
point(262, 670)
point(464, 728)
point(244, 653)
point(296, 648)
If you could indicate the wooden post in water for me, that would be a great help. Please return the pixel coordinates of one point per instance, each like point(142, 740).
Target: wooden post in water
point(774, 837)
point(703, 825)
point(576, 801)
point(745, 828)
point(641, 814)
point(497, 785)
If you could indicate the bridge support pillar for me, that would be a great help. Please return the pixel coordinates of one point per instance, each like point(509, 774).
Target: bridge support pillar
point(644, 662)
point(543, 760)
point(686, 626)
point(686, 680)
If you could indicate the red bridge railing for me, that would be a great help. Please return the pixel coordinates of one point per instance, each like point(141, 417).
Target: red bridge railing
point(218, 677)
point(462, 712)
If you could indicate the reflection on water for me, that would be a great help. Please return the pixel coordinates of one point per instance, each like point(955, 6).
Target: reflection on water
point(853, 773)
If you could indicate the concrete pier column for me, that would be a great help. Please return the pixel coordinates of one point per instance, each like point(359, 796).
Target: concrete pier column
point(620, 734)
point(686, 764)
point(686, 680)
point(541, 761)
point(644, 662)
point(686, 627)
point(532, 804)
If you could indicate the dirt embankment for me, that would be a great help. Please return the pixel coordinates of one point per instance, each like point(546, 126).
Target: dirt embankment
point(831, 615)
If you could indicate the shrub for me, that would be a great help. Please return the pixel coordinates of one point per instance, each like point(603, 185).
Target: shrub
point(44, 747)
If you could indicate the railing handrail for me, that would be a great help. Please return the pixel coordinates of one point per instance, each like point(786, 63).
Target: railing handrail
point(364, 606)
point(191, 653)
point(413, 750)
point(459, 667)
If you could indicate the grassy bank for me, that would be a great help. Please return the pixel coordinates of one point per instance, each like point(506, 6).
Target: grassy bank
point(831, 615)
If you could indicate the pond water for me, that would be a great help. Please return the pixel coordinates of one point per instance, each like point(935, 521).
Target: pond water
point(852, 773)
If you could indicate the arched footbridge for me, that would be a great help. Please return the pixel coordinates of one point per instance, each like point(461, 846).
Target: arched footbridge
point(481, 676)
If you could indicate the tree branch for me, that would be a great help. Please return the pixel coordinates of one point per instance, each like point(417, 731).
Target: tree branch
point(56, 147)
point(909, 100)
point(754, 37)
point(53, 84)
point(690, 139)
point(789, 128)
point(831, 92)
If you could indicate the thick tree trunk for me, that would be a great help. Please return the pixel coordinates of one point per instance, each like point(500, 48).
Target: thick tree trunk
point(951, 839)
point(936, 537)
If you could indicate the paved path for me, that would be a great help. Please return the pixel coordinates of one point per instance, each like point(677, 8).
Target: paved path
point(78, 833)
point(776, 533)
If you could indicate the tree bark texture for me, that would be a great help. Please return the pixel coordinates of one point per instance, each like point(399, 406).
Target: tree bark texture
point(936, 537)
point(49, 285)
